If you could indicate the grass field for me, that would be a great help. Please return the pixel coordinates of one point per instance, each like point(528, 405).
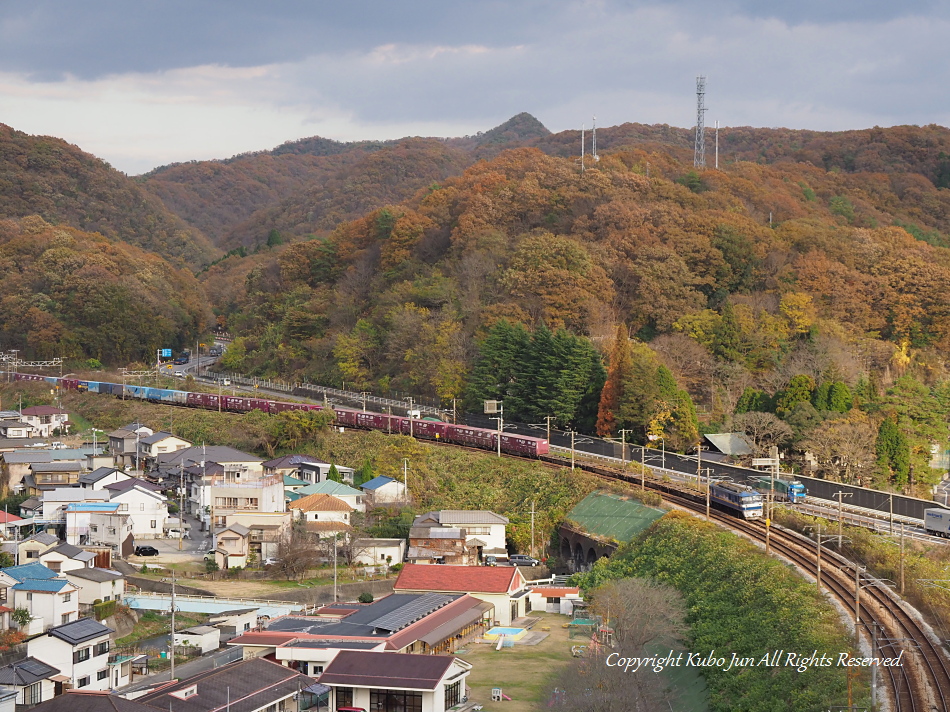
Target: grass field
point(529, 673)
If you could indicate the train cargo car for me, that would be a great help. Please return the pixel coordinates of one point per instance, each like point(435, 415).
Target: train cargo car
point(92, 386)
point(370, 421)
point(937, 522)
point(738, 499)
point(136, 392)
point(281, 406)
point(208, 401)
point(786, 490)
point(428, 429)
point(71, 384)
point(523, 445)
point(28, 377)
point(161, 395)
point(464, 435)
point(347, 417)
point(238, 404)
point(112, 389)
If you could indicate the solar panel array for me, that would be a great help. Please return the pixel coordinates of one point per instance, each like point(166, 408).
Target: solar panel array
point(412, 611)
point(81, 630)
point(34, 667)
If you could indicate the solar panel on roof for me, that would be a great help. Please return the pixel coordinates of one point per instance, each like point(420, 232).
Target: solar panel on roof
point(81, 629)
point(412, 611)
point(34, 667)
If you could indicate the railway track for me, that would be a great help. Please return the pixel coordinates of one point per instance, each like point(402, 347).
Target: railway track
point(922, 684)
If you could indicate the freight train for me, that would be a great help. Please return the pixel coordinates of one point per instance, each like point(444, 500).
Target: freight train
point(416, 427)
point(785, 489)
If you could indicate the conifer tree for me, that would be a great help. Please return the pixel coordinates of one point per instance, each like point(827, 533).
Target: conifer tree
point(333, 475)
point(619, 367)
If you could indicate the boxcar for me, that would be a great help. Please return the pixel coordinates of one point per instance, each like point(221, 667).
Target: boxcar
point(202, 400)
point(71, 384)
point(136, 392)
point(465, 435)
point(28, 377)
point(430, 429)
point(370, 421)
point(524, 445)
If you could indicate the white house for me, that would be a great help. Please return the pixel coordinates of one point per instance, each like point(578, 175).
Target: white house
point(66, 557)
point(554, 599)
point(379, 552)
point(79, 517)
point(147, 508)
point(316, 472)
point(97, 585)
point(80, 650)
point(321, 508)
point(101, 477)
point(389, 681)
point(204, 637)
point(44, 419)
point(160, 443)
point(49, 597)
point(487, 527)
point(112, 529)
point(15, 429)
point(33, 680)
point(385, 489)
point(232, 547)
point(55, 501)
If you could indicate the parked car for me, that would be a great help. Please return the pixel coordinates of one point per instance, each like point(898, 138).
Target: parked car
point(180, 374)
point(522, 560)
point(269, 561)
point(491, 561)
point(146, 551)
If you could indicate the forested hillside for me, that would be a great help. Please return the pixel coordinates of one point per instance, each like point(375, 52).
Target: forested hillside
point(755, 288)
point(82, 296)
point(45, 176)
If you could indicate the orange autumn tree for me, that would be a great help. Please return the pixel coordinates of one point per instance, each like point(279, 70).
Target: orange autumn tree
point(618, 371)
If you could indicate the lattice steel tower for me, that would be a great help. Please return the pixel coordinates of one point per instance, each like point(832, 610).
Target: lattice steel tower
point(699, 150)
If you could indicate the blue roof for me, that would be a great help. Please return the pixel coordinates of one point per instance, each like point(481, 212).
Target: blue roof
point(25, 572)
point(336, 489)
point(91, 507)
point(377, 482)
point(50, 586)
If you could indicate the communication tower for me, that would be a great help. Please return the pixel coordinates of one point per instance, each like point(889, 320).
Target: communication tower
point(699, 151)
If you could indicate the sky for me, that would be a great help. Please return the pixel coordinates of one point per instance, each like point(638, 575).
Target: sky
point(146, 83)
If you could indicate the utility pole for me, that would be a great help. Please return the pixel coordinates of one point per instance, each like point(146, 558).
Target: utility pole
point(708, 488)
point(840, 495)
point(497, 406)
point(334, 568)
point(902, 558)
point(172, 641)
point(181, 501)
point(532, 530)
point(405, 475)
point(410, 415)
point(623, 447)
point(573, 433)
point(643, 467)
point(548, 419)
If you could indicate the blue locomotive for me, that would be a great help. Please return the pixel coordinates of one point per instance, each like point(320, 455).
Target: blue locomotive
point(738, 499)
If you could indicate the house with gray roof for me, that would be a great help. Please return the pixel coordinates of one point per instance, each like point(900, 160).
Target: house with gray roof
point(101, 477)
point(33, 680)
point(97, 584)
point(66, 557)
point(483, 529)
point(80, 649)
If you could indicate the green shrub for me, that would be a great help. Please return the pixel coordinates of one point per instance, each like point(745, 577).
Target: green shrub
point(365, 597)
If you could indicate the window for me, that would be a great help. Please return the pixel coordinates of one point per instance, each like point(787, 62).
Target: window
point(107, 598)
point(154, 524)
point(32, 554)
point(344, 697)
point(54, 566)
point(395, 701)
point(29, 596)
point(94, 528)
point(141, 506)
point(112, 530)
point(33, 694)
point(102, 648)
point(67, 597)
point(102, 674)
point(83, 682)
point(453, 694)
point(80, 656)
point(316, 669)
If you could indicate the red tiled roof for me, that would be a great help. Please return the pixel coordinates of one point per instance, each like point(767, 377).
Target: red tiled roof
point(6, 517)
point(461, 579)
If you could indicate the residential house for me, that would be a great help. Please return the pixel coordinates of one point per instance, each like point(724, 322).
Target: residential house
point(159, 443)
point(146, 507)
point(287, 465)
point(316, 472)
point(80, 650)
point(251, 686)
point(34, 681)
point(391, 682)
point(379, 552)
point(234, 622)
point(205, 638)
point(79, 520)
point(232, 547)
point(15, 429)
point(49, 597)
point(97, 585)
point(322, 508)
point(267, 529)
point(87, 700)
point(123, 444)
point(442, 545)
point(353, 497)
point(10, 524)
point(487, 527)
point(29, 550)
point(385, 489)
point(55, 502)
point(111, 529)
point(8, 699)
point(46, 420)
point(66, 557)
point(311, 657)
point(46, 476)
point(31, 508)
point(17, 465)
point(502, 586)
point(7, 583)
point(292, 486)
point(100, 477)
point(400, 623)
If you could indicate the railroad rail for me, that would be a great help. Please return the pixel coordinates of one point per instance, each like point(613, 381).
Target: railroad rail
point(921, 686)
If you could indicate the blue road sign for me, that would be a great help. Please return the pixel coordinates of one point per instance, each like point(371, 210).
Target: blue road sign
point(166, 353)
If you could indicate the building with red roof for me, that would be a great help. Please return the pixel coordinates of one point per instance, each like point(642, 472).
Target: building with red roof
point(502, 586)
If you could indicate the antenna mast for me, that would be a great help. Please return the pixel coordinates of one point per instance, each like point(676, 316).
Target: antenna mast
point(699, 151)
point(593, 150)
point(583, 146)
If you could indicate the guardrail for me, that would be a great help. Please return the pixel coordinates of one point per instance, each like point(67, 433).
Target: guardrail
point(195, 597)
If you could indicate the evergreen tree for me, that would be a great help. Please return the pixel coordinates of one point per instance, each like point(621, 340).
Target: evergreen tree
point(727, 336)
point(893, 452)
point(364, 474)
point(799, 390)
point(334, 474)
point(495, 372)
point(753, 400)
point(839, 397)
point(820, 398)
point(618, 371)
